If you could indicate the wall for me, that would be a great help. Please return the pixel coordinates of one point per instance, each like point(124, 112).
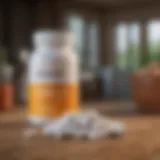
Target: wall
point(142, 11)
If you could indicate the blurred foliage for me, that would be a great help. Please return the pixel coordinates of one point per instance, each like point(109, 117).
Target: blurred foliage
point(130, 58)
point(3, 60)
point(3, 56)
point(134, 59)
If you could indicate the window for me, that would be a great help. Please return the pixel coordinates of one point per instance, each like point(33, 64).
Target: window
point(134, 46)
point(76, 25)
point(93, 59)
point(153, 38)
point(121, 45)
point(127, 45)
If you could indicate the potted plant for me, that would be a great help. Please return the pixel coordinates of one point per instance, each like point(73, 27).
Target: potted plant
point(6, 82)
point(2, 59)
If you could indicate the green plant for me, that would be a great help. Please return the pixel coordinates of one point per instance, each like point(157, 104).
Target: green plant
point(3, 56)
point(134, 59)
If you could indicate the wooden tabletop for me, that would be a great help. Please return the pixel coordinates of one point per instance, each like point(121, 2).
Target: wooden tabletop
point(140, 142)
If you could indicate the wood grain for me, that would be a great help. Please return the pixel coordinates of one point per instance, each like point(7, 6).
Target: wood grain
point(140, 142)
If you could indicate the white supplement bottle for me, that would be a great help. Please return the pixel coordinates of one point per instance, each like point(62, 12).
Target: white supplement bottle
point(53, 87)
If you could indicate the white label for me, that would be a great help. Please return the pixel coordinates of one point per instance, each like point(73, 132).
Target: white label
point(53, 70)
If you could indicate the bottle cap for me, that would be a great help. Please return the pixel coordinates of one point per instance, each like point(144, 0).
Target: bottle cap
point(52, 38)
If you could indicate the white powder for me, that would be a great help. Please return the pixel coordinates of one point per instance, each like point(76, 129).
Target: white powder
point(29, 133)
point(86, 124)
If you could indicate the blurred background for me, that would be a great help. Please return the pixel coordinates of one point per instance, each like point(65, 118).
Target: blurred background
point(113, 39)
point(118, 45)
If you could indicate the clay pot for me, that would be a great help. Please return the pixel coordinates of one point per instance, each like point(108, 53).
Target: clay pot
point(6, 87)
point(145, 88)
point(8, 101)
point(6, 96)
point(1, 96)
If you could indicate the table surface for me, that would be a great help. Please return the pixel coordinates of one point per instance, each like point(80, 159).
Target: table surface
point(140, 142)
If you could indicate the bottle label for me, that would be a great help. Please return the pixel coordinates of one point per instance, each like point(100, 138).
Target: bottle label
point(53, 99)
point(53, 87)
point(53, 71)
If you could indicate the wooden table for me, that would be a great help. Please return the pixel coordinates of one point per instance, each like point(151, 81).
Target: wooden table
point(140, 142)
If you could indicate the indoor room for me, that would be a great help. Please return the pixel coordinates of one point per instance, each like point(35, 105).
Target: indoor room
point(116, 74)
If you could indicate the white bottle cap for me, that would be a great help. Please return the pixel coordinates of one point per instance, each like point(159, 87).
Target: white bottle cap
point(41, 38)
point(52, 38)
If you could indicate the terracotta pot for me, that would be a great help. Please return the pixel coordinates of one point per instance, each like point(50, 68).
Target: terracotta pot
point(145, 89)
point(1, 96)
point(6, 96)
